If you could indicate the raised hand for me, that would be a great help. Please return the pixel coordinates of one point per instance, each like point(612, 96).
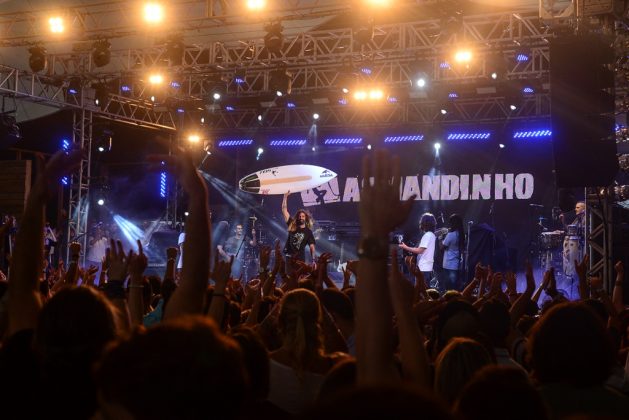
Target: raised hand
point(117, 261)
point(221, 274)
point(171, 252)
point(582, 267)
point(620, 269)
point(511, 282)
point(265, 257)
point(137, 262)
point(380, 208)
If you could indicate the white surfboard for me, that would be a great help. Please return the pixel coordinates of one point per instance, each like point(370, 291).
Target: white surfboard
point(282, 179)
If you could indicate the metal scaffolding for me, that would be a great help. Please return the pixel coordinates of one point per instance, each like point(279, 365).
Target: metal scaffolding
point(599, 235)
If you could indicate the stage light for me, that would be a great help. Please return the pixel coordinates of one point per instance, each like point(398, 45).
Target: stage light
point(369, 147)
point(315, 116)
point(235, 142)
point(287, 142)
point(376, 94)
point(532, 133)
point(360, 95)
point(527, 90)
point(102, 139)
point(463, 56)
point(101, 53)
point(496, 66)
point(229, 108)
point(280, 82)
point(274, 39)
point(378, 3)
point(153, 13)
point(260, 151)
point(523, 54)
point(216, 96)
point(101, 95)
point(437, 146)
point(420, 82)
point(56, 24)
point(65, 145)
point(156, 79)
point(37, 61)
point(407, 138)
point(256, 5)
point(290, 105)
point(194, 138)
point(502, 146)
point(162, 184)
point(185, 213)
point(240, 77)
point(100, 202)
point(443, 111)
point(314, 149)
point(153, 98)
point(74, 86)
point(343, 140)
point(260, 117)
point(207, 146)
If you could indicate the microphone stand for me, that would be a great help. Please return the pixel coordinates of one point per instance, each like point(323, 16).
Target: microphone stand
point(467, 247)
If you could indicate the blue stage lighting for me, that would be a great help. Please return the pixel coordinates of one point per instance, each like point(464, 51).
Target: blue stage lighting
point(229, 108)
point(287, 142)
point(468, 136)
point(528, 90)
point(65, 180)
point(344, 140)
point(162, 184)
point(291, 105)
point(235, 142)
point(400, 139)
point(532, 134)
point(65, 145)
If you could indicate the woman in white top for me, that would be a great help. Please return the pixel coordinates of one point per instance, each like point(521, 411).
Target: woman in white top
point(426, 248)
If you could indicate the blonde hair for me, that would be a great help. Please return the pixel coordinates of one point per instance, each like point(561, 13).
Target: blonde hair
point(309, 220)
point(299, 323)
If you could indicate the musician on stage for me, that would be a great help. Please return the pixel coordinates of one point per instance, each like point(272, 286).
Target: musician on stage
point(235, 246)
point(574, 242)
point(579, 221)
point(299, 234)
point(452, 244)
point(426, 248)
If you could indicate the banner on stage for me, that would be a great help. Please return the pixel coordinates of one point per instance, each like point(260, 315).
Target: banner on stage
point(463, 187)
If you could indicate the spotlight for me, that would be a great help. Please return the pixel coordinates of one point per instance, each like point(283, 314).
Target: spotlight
point(37, 61)
point(101, 95)
point(437, 146)
point(207, 146)
point(100, 202)
point(194, 138)
point(216, 96)
point(56, 25)
point(153, 13)
point(103, 139)
point(463, 56)
point(502, 146)
point(156, 79)
point(240, 77)
point(260, 117)
point(420, 82)
point(369, 147)
point(185, 213)
point(315, 116)
point(256, 5)
point(101, 53)
point(523, 54)
point(314, 149)
point(274, 39)
point(496, 67)
point(260, 151)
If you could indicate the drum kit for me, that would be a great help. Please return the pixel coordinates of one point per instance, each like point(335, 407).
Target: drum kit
point(561, 247)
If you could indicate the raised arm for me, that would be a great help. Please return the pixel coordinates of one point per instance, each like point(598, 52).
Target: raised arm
point(380, 211)
point(24, 302)
point(285, 212)
point(189, 296)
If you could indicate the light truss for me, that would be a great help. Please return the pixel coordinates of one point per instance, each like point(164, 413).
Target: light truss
point(599, 236)
point(52, 91)
point(78, 201)
point(121, 18)
point(497, 32)
point(481, 110)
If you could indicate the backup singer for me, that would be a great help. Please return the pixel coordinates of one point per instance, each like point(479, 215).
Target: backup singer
point(452, 244)
point(299, 234)
point(426, 248)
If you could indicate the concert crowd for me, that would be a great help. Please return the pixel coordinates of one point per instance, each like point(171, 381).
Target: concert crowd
point(107, 341)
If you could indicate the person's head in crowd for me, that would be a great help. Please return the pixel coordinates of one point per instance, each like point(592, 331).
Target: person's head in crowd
point(495, 321)
point(184, 368)
point(427, 222)
point(452, 294)
point(400, 401)
point(306, 282)
point(456, 364)
point(457, 319)
point(433, 294)
point(233, 309)
point(525, 324)
point(548, 304)
point(342, 377)
point(74, 326)
point(256, 360)
point(598, 307)
point(73, 329)
point(351, 294)
point(569, 344)
point(338, 304)
point(496, 392)
point(156, 284)
point(299, 323)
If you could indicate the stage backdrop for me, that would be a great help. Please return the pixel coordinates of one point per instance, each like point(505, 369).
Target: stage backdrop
point(505, 189)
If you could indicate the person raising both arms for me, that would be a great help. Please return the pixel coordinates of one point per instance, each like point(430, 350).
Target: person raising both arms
point(299, 234)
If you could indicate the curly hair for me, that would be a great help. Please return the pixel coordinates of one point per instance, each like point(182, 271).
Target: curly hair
point(293, 221)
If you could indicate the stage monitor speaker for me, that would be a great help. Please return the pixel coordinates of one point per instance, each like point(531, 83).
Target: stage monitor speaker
point(582, 111)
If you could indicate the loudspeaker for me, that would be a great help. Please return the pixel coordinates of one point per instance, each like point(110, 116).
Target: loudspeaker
point(582, 111)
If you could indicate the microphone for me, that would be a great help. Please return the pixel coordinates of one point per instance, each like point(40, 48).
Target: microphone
point(536, 205)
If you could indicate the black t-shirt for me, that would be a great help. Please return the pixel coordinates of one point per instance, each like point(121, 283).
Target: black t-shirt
point(297, 241)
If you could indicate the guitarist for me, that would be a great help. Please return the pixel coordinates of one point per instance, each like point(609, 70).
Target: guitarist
point(426, 249)
point(233, 247)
